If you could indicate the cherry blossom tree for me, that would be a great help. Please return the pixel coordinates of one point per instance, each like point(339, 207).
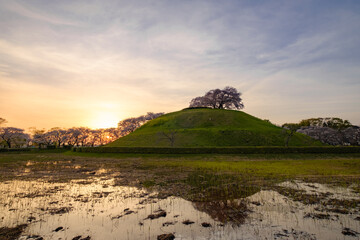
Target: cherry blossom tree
point(227, 98)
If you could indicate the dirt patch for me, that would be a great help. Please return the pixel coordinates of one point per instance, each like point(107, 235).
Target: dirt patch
point(11, 233)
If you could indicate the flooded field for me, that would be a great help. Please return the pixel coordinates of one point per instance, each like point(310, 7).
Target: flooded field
point(99, 209)
point(81, 197)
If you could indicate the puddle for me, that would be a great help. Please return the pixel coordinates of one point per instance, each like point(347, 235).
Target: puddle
point(316, 188)
point(273, 213)
point(104, 211)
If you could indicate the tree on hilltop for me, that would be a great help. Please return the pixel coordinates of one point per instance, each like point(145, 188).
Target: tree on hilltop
point(227, 98)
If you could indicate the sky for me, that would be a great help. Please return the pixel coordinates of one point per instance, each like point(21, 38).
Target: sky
point(92, 63)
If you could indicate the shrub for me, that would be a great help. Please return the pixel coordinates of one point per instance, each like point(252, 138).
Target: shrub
point(219, 150)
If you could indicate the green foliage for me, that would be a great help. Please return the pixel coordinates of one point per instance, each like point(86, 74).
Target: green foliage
point(334, 122)
point(278, 169)
point(148, 183)
point(210, 128)
point(33, 150)
point(15, 149)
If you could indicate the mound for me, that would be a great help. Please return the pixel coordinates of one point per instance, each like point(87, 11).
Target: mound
point(209, 128)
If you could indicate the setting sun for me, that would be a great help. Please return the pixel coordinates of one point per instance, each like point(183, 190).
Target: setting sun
point(104, 120)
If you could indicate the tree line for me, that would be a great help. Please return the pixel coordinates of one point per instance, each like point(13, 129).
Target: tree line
point(12, 137)
point(330, 130)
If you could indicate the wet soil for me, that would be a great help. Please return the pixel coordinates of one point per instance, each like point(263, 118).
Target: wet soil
point(72, 197)
point(11, 233)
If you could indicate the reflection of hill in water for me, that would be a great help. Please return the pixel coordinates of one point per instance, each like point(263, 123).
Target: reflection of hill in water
point(226, 211)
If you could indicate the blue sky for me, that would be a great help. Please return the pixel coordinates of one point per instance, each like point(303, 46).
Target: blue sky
point(93, 63)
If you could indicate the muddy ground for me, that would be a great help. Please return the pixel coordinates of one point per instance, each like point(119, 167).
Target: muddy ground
point(227, 198)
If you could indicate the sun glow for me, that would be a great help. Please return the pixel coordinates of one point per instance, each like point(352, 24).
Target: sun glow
point(104, 120)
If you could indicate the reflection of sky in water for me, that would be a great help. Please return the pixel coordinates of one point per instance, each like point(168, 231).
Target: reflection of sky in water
point(94, 210)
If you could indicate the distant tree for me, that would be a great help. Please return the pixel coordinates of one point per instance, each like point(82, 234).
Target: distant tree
point(73, 136)
point(335, 123)
point(228, 98)
point(289, 129)
point(40, 137)
point(58, 136)
point(93, 138)
point(13, 136)
point(2, 121)
point(331, 122)
point(129, 125)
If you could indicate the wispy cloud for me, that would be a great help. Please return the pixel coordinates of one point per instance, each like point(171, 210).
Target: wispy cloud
point(164, 54)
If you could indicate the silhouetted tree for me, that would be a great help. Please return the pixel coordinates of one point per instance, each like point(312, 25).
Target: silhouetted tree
point(2, 121)
point(228, 98)
point(13, 136)
point(40, 137)
point(129, 125)
point(57, 135)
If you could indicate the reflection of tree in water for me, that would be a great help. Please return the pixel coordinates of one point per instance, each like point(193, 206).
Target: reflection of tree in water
point(225, 211)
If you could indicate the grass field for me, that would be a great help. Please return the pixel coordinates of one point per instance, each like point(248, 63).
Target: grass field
point(189, 176)
point(210, 127)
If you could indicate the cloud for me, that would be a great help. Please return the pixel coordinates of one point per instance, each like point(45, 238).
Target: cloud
point(119, 51)
point(34, 12)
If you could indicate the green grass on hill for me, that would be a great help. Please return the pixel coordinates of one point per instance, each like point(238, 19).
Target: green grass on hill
point(210, 128)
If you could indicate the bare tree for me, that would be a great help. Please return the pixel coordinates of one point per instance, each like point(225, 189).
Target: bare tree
point(227, 98)
point(289, 129)
point(170, 136)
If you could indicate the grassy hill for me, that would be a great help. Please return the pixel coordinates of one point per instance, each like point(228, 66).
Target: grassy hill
point(209, 128)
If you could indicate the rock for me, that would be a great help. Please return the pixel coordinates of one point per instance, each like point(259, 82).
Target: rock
point(129, 212)
point(188, 222)
point(35, 237)
point(349, 232)
point(168, 236)
point(205, 224)
point(58, 229)
point(79, 238)
point(165, 224)
point(161, 213)
point(30, 219)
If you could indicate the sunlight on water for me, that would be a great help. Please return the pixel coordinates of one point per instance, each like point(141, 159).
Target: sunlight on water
point(104, 211)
